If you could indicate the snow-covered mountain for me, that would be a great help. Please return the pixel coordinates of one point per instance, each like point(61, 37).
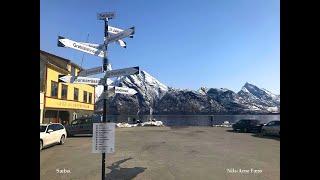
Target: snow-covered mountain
point(149, 89)
point(167, 100)
point(177, 101)
point(258, 99)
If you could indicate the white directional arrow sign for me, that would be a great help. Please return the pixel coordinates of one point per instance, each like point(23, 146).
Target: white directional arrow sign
point(121, 35)
point(64, 42)
point(121, 90)
point(114, 30)
point(122, 43)
point(81, 80)
point(91, 71)
point(97, 46)
point(122, 72)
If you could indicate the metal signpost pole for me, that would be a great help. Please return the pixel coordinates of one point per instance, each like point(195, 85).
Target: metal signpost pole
point(103, 136)
point(105, 89)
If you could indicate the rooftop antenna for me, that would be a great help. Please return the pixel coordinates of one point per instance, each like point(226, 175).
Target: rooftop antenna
point(83, 53)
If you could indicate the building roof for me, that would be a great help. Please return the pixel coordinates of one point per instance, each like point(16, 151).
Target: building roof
point(63, 60)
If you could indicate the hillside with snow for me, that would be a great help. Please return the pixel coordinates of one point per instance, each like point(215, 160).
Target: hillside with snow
point(167, 100)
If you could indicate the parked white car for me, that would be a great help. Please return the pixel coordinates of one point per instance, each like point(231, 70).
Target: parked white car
point(53, 133)
point(271, 128)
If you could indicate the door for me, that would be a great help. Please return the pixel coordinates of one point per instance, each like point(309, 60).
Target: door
point(81, 124)
point(87, 126)
point(268, 128)
point(276, 128)
point(49, 136)
point(272, 128)
point(78, 126)
point(75, 127)
point(55, 133)
point(60, 132)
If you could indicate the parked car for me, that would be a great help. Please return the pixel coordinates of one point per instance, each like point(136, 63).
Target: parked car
point(83, 125)
point(272, 128)
point(247, 125)
point(53, 133)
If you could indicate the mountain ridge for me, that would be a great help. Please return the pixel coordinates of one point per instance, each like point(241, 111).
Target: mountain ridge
point(151, 93)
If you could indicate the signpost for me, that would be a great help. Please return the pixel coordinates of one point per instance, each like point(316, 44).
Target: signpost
point(114, 30)
point(106, 15)
point(64, 42)
point(122, 90)
point(97, 46)
point(91, 71)
point(103, 137)
point(105, 87)
point(121, 35)
point(103, 133)
point(122, 72)
point(80, 80)
point(112, 90)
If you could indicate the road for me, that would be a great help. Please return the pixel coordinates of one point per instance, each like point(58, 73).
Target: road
point(167, 153)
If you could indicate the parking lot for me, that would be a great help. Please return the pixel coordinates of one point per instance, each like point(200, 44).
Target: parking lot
point(168, 153)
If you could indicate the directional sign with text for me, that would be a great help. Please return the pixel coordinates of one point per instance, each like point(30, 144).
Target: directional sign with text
point(114, 30)
point(91, 71)
point(97, 46)
point(80, 80)
point(122, 72)
point(121, 90)
point(121, 35)
point(64, 42)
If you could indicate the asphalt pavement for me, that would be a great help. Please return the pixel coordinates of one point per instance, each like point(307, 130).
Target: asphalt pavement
point(167, 153)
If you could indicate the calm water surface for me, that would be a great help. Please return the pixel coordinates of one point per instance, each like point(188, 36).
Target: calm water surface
point(195, 120)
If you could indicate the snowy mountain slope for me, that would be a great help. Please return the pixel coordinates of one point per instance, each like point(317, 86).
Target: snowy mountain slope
point(167, 100)
point(187, 102)
point(149, 90)
point(255, 98)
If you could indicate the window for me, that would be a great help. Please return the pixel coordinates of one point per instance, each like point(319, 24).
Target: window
point(51, 127)
point(83, 121)
point(76, 94)
point(54, 89)
point(90, 98)
point(75, 122)
point(85, 94)
point(271, 123)
point(60, 127)
point(64, 91)
point(55, 127)
point(43, 128)
point(88, 121)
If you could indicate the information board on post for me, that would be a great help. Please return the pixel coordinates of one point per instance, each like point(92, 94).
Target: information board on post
point(103, 137)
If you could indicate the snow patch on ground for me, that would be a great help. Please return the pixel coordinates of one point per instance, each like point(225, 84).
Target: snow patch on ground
point(273, 109)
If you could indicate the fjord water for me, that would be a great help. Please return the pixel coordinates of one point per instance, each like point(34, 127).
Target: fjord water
point(195, 120)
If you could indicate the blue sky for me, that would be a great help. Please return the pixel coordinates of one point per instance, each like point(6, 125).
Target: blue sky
point(182, 43)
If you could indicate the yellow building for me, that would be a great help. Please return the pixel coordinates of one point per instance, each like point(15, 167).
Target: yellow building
point(62, 102)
